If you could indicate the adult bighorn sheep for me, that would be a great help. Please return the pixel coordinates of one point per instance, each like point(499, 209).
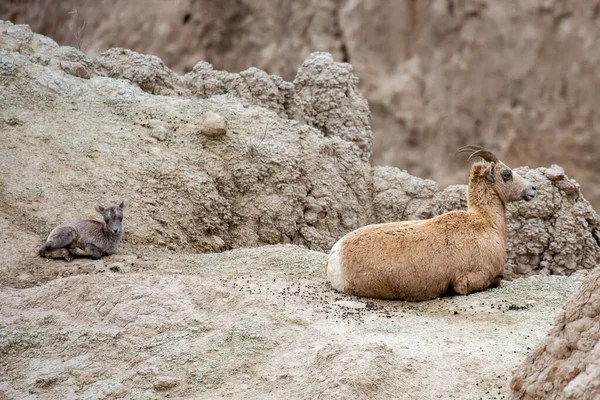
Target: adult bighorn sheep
point(460, 251)
point(87, 238)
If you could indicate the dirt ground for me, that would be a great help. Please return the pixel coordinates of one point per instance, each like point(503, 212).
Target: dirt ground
point(256, 323)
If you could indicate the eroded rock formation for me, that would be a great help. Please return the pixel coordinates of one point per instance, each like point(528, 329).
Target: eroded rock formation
point(517, 77)
point(567, 364)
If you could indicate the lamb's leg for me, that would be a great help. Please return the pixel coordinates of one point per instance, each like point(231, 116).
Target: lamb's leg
point(59, 240)
point(89, 250)
point(58, 253)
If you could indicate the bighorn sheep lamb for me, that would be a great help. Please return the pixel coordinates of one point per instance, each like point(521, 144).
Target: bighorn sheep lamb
point(87, 238)
point(460, 251)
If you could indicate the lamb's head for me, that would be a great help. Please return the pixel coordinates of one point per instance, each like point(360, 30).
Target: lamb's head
point(509, 185)
point(112, 218)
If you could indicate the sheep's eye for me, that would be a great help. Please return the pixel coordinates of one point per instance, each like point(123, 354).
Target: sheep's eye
point(106, 220)
point(507, 176)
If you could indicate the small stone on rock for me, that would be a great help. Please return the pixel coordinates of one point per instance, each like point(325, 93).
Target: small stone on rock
point(555, 173)
point(158, 129)
point(147, 371)
point(76, 69)
point(165, 382)
point(214, 125)
point(568, 186)
point(218, 243)
point(82, 72)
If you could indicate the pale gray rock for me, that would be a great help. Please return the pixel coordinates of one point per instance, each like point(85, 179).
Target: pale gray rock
point(147, 71)
point(567, 364)
point(158, 130)
point(214, 125)
point(252, 86)
point(326, 96)
point(165, 382)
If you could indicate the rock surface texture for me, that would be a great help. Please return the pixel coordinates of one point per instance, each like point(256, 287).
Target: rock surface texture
point(257, 323)
point(517, 77)
point(270, 179)
point(567, 364)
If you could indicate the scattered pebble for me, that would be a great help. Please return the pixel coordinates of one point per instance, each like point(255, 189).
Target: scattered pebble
point(214, 125)
point(165, 382)
point(555, 173)
point(82, 72)
point(158, 129)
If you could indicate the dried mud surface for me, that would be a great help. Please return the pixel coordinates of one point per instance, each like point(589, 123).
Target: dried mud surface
point(254, 323)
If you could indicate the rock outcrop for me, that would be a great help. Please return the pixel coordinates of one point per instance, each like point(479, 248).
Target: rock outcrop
point(327, 98)
point(519, 78)
point(133, 129)
point(567, 364)
point(268, 180)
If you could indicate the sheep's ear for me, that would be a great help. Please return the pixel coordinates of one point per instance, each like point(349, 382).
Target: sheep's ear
point(99, 209)
point(123, 204)
point(488, 173)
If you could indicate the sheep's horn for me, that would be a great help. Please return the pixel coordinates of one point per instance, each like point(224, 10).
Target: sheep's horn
point(468, 148)
point(486, 155)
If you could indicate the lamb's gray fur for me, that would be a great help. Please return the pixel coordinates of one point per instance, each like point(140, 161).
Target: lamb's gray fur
point(87, 238)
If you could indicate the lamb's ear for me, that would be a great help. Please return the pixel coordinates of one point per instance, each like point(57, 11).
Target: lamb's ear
point(488, 173)
point(123, 204)
point(99, 209)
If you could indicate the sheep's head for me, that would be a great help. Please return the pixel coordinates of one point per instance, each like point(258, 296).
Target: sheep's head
point(509, 185)
point(112, 218)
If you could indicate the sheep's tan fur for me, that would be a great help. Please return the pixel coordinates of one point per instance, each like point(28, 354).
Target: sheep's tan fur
point(460, 251)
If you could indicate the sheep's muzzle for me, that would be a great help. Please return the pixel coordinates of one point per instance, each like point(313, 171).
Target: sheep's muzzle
point(529, 193)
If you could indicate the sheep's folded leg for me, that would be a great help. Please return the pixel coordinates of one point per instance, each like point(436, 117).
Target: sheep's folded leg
point(496, 282)
point(89, 250)
point(58, 242)
point(474, 282)
point(58, 253)
point(461, 286)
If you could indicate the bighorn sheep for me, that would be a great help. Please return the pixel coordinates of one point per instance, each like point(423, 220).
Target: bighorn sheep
point(460, 251)
point(87, 238)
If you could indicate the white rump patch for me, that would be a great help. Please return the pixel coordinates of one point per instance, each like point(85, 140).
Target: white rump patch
point(52, 233)
point(335, 274)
